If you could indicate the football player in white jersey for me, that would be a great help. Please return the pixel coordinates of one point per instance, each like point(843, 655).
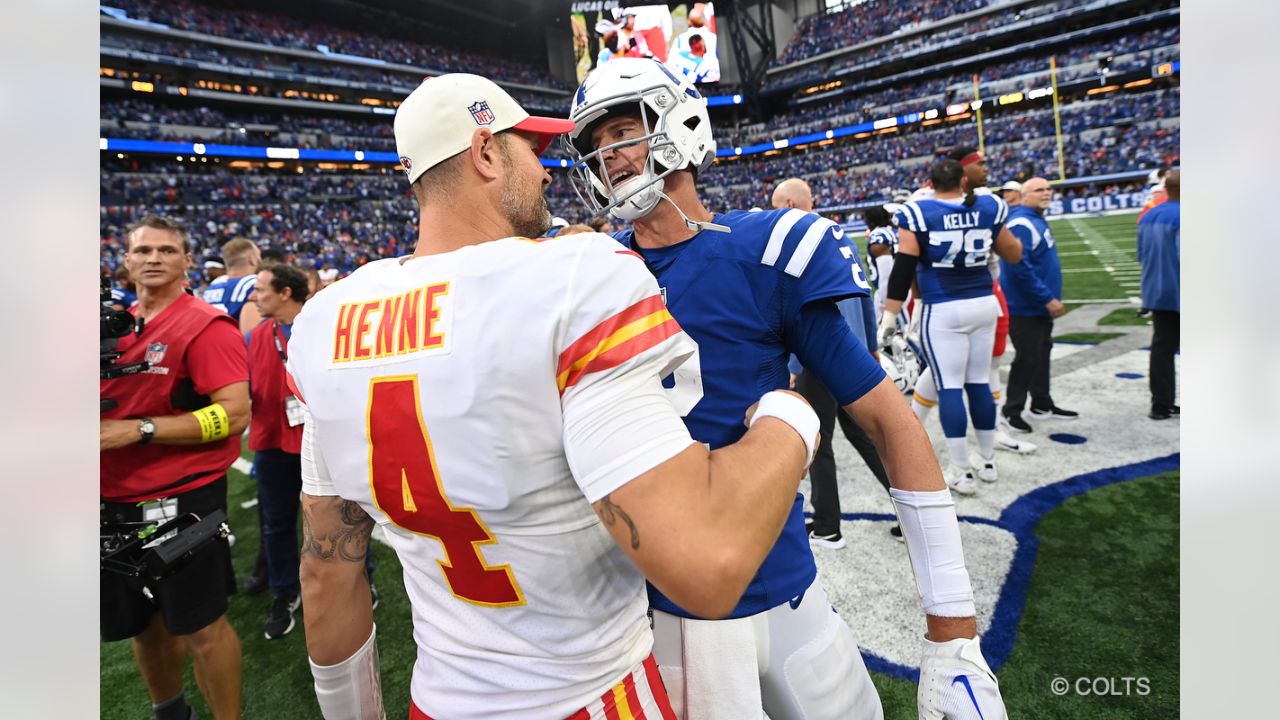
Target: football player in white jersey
point(495, 404)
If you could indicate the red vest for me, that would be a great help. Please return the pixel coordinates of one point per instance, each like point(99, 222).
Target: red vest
point(269, 426)
point(145, 472)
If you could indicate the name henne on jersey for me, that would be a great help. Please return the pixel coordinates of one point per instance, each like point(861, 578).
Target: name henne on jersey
point(413, 322)
point(960, 221)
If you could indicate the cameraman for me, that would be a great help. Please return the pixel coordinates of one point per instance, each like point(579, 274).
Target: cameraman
point(165, 450)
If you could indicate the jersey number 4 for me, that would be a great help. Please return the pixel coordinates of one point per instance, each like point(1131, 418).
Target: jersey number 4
point(406, 486)
point(976, 244)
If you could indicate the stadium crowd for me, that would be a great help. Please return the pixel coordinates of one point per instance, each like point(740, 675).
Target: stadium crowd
point(284, 31)
point(821, 33)
point(394, 82)
point(1132, 51)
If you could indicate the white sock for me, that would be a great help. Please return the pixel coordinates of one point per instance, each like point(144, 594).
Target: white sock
point(986, 443)
point(920, 409)
point(958, 449)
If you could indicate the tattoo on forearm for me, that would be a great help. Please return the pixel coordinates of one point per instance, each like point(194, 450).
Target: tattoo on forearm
point(610, 512)
point(349, 542)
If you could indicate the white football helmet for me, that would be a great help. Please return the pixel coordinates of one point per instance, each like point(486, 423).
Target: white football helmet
point(676, 128)
point(900, 363)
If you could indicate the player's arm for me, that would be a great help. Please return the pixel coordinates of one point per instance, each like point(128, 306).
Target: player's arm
point(932, 531)
point(338, 621)
point(697, 523)
point(218, 367)
point(1007, 246)
point(700, 524)
point(335, 591)
point(899, 282)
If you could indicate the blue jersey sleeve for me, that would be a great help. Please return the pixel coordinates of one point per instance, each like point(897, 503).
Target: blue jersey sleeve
point(819, 261)
point(823, 342)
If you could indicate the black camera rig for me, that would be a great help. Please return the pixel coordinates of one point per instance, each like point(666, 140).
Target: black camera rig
point(140, 550)
point(114, 324)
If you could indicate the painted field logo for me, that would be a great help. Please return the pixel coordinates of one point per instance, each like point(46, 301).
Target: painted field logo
point(481, 113)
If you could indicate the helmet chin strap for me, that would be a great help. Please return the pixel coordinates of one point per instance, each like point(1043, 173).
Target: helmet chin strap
point(693, 225)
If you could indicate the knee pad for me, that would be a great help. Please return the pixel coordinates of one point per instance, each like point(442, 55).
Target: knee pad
point(815, 670)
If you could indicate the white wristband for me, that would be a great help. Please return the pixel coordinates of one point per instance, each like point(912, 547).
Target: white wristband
point(351, 689)
point(793, 411)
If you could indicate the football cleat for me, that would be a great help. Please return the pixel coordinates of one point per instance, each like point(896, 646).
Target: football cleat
point(1008, 444)
point(984, 470)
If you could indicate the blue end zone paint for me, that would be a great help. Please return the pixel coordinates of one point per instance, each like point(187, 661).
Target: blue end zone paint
point(1020, 520)
point(1068, 438)
point(1130, 376)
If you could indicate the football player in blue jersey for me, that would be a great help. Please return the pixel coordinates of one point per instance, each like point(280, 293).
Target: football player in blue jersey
point(231, 292)
point(944, 245)
point(751, 288)
point(882, 243)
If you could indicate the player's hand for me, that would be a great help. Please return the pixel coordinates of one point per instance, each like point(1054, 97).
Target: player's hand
point(114, 434)
point(1056, 308)
point(888, 326)
point(956, 683)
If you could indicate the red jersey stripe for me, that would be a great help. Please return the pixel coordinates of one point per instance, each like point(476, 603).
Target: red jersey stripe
point(633, 700)
point(590, 341)
point(623, 352)
point(658, 689)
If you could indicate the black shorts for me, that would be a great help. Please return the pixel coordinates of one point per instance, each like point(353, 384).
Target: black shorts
point(188, 599)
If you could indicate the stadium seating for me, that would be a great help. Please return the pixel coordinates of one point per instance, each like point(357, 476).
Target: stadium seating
point(287, 32)
point(347, 214)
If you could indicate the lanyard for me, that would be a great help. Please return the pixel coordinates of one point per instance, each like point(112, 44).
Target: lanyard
point(275, 335)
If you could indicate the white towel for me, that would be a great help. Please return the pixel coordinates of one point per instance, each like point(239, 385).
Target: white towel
point(708, 667)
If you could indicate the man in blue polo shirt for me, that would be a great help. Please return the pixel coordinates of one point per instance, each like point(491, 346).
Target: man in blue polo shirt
point(1159, 251)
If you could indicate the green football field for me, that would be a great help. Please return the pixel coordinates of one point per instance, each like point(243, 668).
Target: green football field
point(1117, 546)
point(1099, 258)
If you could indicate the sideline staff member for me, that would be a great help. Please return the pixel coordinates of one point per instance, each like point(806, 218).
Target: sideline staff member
point(165, 450)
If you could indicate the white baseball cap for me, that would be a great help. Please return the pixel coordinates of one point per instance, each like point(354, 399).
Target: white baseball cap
point(438, 119)
point(1012, 185)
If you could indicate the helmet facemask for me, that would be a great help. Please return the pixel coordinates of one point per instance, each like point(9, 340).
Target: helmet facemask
point(637, 196)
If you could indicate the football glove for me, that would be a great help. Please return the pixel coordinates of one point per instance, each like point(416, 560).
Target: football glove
point(888, 326)
point(956, 683)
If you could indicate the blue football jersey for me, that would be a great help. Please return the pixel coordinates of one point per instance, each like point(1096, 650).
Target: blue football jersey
point(887, 236)
point(955, 241)
point(122, 297)
point(735, 294)
point(230, 294)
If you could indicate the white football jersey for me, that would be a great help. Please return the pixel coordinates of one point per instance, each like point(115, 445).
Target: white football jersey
point(471, 403)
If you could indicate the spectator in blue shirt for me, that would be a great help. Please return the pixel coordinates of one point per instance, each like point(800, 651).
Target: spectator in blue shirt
point(1159, 251)
point(1033, 289)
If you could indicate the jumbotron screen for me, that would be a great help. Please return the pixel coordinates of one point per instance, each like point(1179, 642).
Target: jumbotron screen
point(681, 35)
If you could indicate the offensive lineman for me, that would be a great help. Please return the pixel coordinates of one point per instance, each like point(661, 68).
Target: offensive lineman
point(750, 288)
point(949, 239)
point(489, 401)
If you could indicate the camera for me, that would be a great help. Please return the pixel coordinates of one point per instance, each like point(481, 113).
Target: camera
point(113, 325)
point(146, 550)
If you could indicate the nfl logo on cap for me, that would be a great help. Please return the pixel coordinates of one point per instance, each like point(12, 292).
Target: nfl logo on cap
point(481, 113)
